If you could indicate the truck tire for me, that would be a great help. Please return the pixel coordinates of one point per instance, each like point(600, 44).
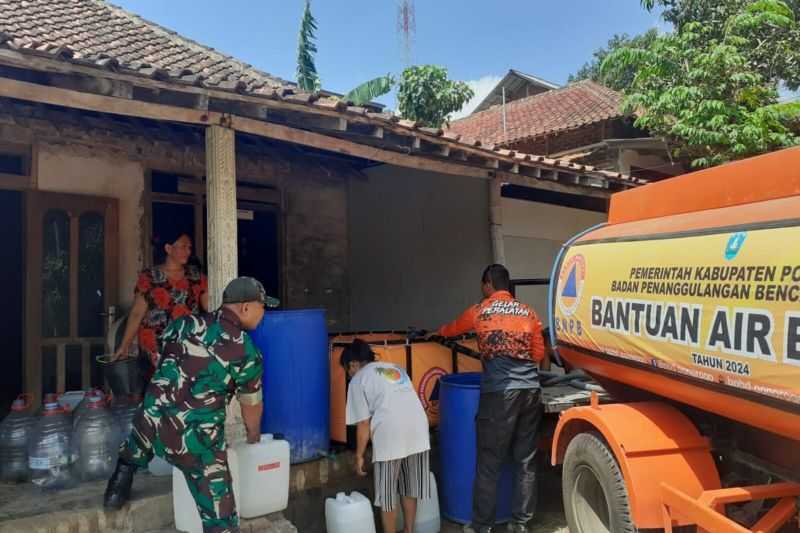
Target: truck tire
point(594, 492)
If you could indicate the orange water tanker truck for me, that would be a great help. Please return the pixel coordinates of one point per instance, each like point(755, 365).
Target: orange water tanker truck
point(685, 307)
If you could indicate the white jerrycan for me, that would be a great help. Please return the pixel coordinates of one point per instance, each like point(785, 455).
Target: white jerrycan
point(349, 514)
point(428, 519)
point(187, 517)
point(263, 477)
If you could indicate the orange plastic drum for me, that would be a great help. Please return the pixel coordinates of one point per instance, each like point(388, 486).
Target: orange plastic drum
point(425, 362)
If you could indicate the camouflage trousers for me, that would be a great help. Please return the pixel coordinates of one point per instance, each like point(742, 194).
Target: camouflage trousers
point(196, 452)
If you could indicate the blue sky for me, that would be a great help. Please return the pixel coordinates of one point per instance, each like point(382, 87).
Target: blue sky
point(358, 39)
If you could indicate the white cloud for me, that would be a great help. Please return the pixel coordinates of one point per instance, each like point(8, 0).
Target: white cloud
point(482, 88)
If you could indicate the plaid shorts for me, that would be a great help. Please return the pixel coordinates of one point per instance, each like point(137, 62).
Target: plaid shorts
point(408, 477)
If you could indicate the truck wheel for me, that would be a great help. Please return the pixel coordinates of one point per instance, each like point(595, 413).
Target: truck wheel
point(595, 496)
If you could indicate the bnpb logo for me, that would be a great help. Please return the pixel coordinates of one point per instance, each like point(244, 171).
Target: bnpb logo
point(570, 284)
point(427, 383)
point(735, 244)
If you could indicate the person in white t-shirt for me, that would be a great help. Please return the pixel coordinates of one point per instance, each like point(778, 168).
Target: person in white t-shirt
point(382, 403)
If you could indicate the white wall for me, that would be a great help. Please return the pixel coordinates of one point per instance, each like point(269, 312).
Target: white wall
point(419, 242)
point(533, 235)
point(66, 169)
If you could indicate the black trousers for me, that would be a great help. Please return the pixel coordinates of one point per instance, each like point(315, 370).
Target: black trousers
point(507, 428)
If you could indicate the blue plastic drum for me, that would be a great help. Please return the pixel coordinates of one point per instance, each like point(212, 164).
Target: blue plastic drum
point(296, 380)
point(458, 406)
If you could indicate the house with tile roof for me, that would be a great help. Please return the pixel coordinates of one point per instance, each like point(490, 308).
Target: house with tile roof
point(114, 130)
point(513, 86)
point(581, 122)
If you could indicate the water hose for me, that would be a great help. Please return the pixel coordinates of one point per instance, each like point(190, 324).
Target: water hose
point(577, 379)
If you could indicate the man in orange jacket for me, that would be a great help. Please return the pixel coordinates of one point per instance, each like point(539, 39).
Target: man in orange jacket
point(509, 413)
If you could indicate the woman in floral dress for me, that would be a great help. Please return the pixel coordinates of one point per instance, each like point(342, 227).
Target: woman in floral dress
point(163, 293)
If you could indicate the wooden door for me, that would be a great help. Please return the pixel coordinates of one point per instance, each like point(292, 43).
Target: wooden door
point(71, 289)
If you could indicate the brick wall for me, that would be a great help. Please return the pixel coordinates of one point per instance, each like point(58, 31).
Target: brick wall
point(315, 210)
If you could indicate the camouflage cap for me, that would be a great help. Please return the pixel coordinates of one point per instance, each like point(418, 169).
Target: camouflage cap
point(247, 289)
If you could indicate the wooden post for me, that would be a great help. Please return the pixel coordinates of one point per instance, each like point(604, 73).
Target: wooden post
point(221, 240)
point(496, 221)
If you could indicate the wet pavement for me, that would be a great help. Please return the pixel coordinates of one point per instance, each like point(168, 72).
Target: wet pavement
point(307, 510)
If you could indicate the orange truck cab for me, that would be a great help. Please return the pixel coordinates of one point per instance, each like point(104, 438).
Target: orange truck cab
point(685, 306)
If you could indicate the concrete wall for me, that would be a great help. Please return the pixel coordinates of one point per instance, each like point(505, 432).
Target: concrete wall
point(533, 235)
point(418, 244)
point(66, 169)
point(317, 245)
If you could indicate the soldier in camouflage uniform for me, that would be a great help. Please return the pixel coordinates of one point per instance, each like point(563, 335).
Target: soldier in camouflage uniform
point(204, 360)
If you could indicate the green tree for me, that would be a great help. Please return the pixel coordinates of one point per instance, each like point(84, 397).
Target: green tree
point(428, 96)
point(425, 93)
point(307, 77)
point(773, 47)
point(703, 92)
point(618, 80)
point(680, 12)
point(370, 90)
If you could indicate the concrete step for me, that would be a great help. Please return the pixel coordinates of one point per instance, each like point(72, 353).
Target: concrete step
point(26, 508)
point(79, 509)
point(275, 523)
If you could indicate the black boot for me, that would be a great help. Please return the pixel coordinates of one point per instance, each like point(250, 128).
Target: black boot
point(118, 490)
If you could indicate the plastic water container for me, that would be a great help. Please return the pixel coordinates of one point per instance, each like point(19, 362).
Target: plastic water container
point(428, 519)
point(349, 514)
point(263, 476)
point(49, 397)
point(96, 441)
point(124, 411)
point(71, 399)
point(52, 397)
point(159, 466)
point(260, 474)
point(50, 453)
point(15, 431)
point(458, 406)
point(296, 380)
point(92, 396)
point(187, 517)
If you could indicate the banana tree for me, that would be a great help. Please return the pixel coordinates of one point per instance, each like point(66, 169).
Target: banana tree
point(307, 77)
point(370, 90)
point(425, 93)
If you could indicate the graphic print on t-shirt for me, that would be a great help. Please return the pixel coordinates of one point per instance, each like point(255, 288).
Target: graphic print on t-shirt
point(383, 394)
point(392, 375)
